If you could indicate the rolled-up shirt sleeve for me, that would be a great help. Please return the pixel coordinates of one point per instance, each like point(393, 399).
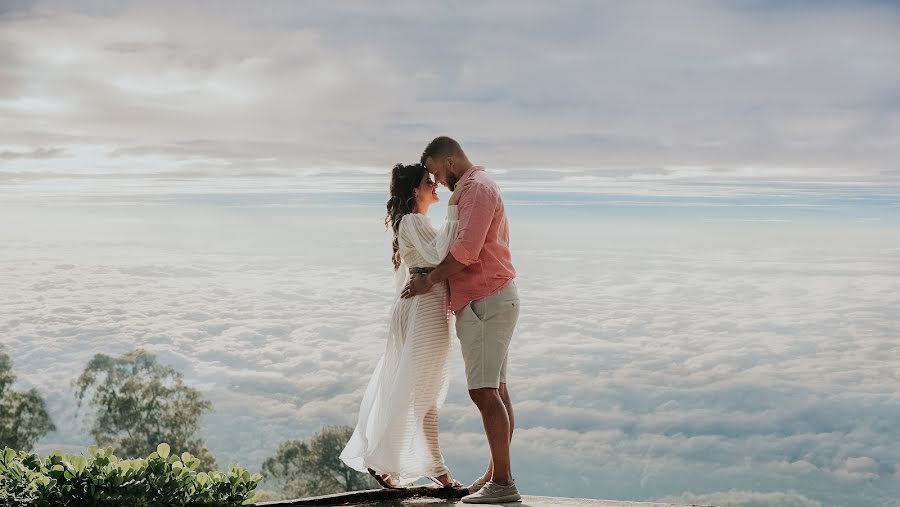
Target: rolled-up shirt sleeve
point(476, 212)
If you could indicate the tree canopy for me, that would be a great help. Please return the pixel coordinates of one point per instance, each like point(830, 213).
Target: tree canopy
point(23, 416)
point(313, 467)
point(140, 403)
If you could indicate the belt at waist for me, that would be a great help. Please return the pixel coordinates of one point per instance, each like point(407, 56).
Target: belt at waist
point(420, 271)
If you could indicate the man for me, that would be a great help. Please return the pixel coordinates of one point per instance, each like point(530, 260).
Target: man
point(484, 298)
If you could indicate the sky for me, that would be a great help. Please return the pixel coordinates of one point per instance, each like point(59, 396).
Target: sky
point(704, 200)
point(739, 92)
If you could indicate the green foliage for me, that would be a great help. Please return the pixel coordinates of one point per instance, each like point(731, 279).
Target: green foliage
point(313, 467)
point(23, 416)
point(104, 480)
point(140, 402)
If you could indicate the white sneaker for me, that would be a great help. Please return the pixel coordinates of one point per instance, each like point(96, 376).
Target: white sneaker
point(475, 486)
point(494, 493)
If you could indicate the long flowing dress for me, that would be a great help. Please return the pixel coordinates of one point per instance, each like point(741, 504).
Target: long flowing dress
point(397, 430)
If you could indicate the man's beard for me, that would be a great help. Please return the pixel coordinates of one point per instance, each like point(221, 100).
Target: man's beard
point(451, 182)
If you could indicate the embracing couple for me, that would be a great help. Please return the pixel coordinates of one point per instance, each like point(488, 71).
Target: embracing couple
point(465, 266)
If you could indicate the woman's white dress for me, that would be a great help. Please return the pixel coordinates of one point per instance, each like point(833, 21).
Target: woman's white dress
point(397, 431)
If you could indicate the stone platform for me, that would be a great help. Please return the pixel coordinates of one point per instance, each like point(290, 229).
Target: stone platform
point(435, 497)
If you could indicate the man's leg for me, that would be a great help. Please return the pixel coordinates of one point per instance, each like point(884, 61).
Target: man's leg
point(485, 328)
point(497, 428)
point(504, 396)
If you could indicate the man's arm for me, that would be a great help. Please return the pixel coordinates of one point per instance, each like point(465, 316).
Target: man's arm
point(476, 212)
point(465, 249)
point(420, 284)
point(447, 268)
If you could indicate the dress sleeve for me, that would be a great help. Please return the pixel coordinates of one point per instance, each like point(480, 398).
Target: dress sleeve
point(432, 244)
point(447, 234)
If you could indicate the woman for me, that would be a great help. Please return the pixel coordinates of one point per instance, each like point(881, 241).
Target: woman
point(396, 437)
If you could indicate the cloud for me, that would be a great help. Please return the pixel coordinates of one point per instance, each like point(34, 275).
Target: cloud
point(747, 499)
point(602, 87)
point(862, 468)
point(678, 356)
point(37, 153)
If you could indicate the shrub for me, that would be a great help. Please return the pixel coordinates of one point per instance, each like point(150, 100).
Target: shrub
point(104, 480)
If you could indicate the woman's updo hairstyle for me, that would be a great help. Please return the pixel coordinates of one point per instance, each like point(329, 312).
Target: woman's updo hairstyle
point(404, 181)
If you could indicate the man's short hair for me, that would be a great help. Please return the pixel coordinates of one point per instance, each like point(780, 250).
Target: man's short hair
point(440, 147)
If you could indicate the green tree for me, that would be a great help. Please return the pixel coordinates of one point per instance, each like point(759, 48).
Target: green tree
point(313, 467)
point(23, 416)
point(140, 403)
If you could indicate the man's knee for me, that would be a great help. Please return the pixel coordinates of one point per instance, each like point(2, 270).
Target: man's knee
point(485, 396)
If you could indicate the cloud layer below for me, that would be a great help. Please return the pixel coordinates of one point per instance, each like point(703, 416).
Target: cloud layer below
point(655, 358)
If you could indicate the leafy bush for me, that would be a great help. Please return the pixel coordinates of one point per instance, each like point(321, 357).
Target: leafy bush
point(104, 480)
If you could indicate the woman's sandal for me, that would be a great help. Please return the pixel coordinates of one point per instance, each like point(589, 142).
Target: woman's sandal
point(454, 484)
point(383, 480)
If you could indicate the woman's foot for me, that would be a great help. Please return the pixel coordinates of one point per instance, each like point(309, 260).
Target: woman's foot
point(384, 480)
point(446, 481)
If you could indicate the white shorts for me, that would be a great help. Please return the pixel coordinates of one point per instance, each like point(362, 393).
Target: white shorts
point(485, 328)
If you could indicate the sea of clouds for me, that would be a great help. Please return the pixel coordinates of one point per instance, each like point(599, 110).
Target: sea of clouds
point(705, 207)
point(704, 356)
